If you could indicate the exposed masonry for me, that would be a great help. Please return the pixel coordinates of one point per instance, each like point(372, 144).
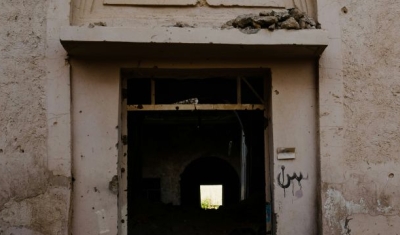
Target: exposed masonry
point(292, 18)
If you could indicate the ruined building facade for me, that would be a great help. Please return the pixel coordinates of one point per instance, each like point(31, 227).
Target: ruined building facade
point(324, 85)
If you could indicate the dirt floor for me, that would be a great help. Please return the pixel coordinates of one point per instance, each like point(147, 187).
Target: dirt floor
point(244, 218)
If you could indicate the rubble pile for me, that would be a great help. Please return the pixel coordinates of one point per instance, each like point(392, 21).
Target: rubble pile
point(283, 19)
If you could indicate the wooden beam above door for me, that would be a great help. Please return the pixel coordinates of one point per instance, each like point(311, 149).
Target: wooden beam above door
point(188, 107)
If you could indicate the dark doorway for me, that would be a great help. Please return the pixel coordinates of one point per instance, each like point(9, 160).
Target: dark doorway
point(172, 153)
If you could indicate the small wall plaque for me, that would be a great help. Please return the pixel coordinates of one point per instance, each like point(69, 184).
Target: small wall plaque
point(286, 153)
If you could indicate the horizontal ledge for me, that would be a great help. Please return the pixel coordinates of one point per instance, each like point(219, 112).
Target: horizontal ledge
point(225, 3)
point(247, 3)
point(174, 42)
point(165, 35)
point(152, 2)
point(190, 107)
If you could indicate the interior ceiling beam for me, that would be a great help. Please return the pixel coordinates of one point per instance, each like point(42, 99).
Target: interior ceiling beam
point(171, 107)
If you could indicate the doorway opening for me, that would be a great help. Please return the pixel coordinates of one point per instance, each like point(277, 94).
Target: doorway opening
point(211, 196)
point(189, 136)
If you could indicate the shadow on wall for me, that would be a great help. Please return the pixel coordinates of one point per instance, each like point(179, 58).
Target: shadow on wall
point(209, 171)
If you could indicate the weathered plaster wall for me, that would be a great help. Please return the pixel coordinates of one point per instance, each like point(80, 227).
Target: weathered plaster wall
point(358, 108)
point(359, 111)
point(201, 15)
point(294, 124)
point(22, 97)
point(95, 115)
point(34, 199)
point(95, 84)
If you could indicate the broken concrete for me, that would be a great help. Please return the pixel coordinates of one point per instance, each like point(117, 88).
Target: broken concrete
point(290, 23)
point(113, 185)
point(286, 19)
point(100, 23)
point(264, 21)
point(181, 24)
point(243, 21)
point(296, 13)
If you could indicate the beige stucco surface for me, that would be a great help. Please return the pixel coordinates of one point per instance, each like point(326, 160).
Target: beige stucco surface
point(358, 105)
point(95, 114)
point(34, 160)
point(359, 117)
point(294, 124)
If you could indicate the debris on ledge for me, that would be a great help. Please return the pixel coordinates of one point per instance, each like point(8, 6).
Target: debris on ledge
point(292, 18)
point(181, 24)
point(100, 23)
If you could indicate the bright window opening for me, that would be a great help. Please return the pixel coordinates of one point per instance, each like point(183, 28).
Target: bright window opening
point(210, 196)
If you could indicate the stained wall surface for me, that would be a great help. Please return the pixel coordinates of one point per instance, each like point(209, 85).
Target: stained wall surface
point(95, 114)
point(294, 125)
point(34, 163)
point(359, 117)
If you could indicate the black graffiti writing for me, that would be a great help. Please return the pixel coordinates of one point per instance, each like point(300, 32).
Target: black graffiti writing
point(289, 180)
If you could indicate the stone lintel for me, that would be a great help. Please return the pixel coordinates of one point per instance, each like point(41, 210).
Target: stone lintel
point(175, 42)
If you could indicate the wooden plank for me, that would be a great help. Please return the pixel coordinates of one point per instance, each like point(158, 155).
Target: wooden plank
point(153, 92)
point(158, 73)
point(171, 107)
point(239, 90)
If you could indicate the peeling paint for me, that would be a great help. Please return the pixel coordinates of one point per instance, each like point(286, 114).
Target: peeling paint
point(383, 209)
point(338, 210)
